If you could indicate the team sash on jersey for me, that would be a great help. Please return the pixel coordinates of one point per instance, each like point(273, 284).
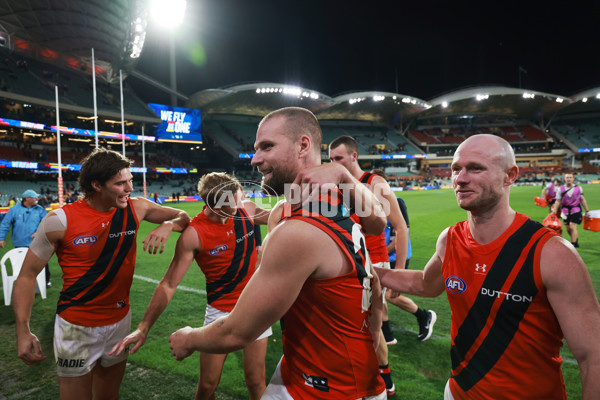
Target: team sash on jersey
point(477, 345)
point(244, 228)
point(345, 232)
point(108, 263)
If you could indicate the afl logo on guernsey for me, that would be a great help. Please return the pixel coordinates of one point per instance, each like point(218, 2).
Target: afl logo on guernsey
point(85, 240)
point(455, 285)
point(218, 250)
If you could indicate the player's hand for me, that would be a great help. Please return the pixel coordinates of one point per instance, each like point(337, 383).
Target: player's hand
point(179, 343)
point(157, 238)
point(312, 182)
point(29, 349)
point(136, 338)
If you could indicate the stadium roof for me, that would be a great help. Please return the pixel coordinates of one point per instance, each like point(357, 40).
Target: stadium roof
point(258, 99)
point(583, 103)
point(519, 103)
point(60, 30)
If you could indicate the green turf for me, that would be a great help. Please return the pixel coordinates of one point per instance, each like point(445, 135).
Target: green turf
point(420, 370)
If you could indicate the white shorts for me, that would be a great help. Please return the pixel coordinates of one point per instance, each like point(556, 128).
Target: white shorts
point(213, 314)
point(78, 348)
point(447, 392)
point(276, 389)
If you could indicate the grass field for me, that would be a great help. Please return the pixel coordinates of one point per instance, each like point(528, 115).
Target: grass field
point(419, 370)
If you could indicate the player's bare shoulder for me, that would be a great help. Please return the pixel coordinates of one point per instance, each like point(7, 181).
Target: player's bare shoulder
point(277, 213)
point(560, 258)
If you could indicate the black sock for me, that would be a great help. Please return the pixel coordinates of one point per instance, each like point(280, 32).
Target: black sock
point(387, 331)
point(575, 243)
point(386, 374)
point(420, 314)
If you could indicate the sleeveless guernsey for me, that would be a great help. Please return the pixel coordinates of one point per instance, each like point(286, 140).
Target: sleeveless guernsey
point(505, 338)
point(327, 347)
point(227, 258)
point(97, 257)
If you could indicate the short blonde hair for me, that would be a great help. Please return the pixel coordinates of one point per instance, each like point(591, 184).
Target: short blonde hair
point(214, 185)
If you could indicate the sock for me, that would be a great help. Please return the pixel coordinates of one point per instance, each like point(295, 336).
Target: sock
point(386, 374)
point(575, 243)
point(420, 314)
point(387, 331)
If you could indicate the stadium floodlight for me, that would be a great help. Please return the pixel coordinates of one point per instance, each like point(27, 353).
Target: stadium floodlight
point(444, 104)
point(168, 13)
point(584, 100)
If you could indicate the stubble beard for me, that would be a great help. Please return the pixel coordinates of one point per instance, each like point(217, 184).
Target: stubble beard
point(275, 184)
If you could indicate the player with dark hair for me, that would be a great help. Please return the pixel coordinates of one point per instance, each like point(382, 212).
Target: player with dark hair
point(343, 150)
point(425, 318)
point(94, 239)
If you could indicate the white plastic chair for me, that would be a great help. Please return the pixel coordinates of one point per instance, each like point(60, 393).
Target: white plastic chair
point(16, 257)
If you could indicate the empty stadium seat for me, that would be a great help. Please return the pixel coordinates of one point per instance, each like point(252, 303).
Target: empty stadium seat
point(16, 257)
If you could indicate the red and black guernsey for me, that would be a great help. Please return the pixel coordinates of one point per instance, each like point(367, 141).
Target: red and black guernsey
point(97, 257)
point(227, 256)
point(327, 346)
point(331, 216)
point(505, 337)
point(375, 243)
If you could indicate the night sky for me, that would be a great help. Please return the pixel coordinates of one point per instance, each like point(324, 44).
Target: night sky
point(416, 48)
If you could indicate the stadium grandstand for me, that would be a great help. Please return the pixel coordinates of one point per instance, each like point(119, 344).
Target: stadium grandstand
point(411, 138)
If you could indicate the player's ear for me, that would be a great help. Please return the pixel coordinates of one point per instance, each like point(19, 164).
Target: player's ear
point(97, 186)
point(512, 174)
point(304, 146)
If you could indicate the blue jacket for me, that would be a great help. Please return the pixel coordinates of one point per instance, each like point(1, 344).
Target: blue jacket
point(24, 221)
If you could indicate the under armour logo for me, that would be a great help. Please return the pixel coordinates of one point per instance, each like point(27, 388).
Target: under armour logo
point(230, 233)
point(481, 268)
point(104, 224)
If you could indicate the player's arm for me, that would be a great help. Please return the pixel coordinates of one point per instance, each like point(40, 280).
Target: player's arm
point(269, 294)
point(376, 317)
point(187, 245)
point(573, 299)
point(258, 214)
point(390, 205)
point(426, 283)
point(277, 212)
point(49, 234)
point(168, 218)
point(544, 190)
point(584, 204)
point(557, 202)
point(327, 177)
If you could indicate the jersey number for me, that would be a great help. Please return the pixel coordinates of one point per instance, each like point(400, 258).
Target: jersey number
point(364, 274)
